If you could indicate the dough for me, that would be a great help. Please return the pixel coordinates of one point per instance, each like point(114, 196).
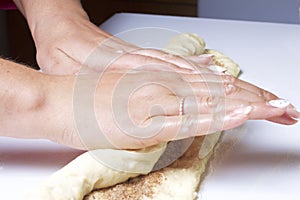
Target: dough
point(221, 60)
point(96, 170)
point(186, 45)
point(181, 180)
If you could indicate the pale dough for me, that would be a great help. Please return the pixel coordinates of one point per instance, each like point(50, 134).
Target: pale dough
point(185, 45)
point(95, 170)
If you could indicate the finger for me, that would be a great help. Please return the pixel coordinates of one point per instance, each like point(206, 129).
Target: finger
point(245, 91)
point(230, 81)
point(250, 87)
point(179, 127)
point(265, 110)
point(220, 89)
point(191, 105)
point(131, 61)
point(211, 105)
point(283, 119)
point(224, 90)
point(227, 79)
point(293, 112)
point(214, 104)
point(203, 60)
point(170, 58)
point(291, 115)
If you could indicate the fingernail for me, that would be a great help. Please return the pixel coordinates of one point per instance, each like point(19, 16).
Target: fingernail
point(120, 51)
point(293, 113)
point(217, 68)
point(243, 111)
point(240, 113)
point(279, 103)
point(206, 55)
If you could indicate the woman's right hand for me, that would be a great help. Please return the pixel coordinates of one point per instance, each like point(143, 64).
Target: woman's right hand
point(136, 109)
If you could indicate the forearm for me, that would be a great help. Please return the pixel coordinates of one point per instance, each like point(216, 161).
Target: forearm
point(31, 104)
point(20, 95)
point(37, 10)
point(52, 14)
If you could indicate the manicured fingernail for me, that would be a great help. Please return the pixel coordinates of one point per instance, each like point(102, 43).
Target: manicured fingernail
point(293, 113)
point(279, 103)
point(217, 68)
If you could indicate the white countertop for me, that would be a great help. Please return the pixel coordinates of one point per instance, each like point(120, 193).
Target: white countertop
point(263, 161)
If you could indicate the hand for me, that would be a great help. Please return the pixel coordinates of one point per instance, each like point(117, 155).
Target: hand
point(66, 41)
point(142, 108)
point(79, 44)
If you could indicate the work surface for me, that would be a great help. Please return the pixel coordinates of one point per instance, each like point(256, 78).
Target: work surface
point(262, 159)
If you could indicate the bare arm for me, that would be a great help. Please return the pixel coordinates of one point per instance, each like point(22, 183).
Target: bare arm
point(65, 38)
point(36, 105)
point(21, 98)
point(39, 13)
point(32, 105)
point(62, 33)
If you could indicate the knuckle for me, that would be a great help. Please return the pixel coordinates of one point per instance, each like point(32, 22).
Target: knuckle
point(213, 104)
point(266, 95)
point(229, 79)
point(209, 101)
point(167, 56)
point(231, 89)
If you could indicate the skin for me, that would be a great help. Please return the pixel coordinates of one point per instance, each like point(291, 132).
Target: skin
point(65, 38)
point(37, 105)
point(125, 106)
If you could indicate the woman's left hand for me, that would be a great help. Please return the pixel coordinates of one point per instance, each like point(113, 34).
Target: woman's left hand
point(78, 45)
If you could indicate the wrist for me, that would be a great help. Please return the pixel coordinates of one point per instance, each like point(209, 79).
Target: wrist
point(35, 105)
point(22, 97)
point(60, 126)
